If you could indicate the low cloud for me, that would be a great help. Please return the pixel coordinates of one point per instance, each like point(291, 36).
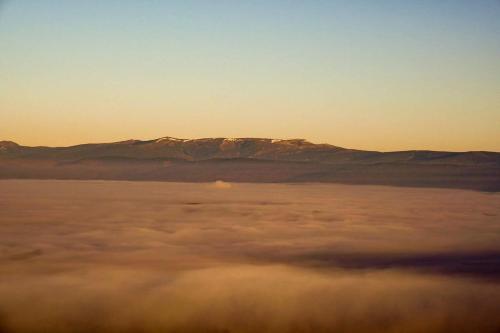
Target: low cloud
point(170, 257)
point(245, 298)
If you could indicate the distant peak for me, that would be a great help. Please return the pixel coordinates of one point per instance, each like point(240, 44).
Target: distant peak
point(126, 142)
point(169, 138)
point(5, 146)
point(295, 142)
point(8, 144)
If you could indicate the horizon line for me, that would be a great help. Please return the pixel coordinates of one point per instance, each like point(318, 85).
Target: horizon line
point(241, 138)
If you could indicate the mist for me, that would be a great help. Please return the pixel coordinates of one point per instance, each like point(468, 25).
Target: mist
point(107, 256)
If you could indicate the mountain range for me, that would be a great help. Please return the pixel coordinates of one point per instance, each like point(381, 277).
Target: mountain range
point(251, 160)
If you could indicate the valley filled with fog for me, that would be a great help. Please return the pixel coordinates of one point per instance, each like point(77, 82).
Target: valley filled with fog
point(112, 256)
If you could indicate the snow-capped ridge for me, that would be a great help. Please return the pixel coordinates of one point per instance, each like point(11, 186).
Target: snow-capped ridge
point(171, 139)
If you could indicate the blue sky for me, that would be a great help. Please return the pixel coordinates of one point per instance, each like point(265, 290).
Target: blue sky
point(382, 75)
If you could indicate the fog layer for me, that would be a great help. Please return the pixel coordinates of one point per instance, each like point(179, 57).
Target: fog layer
point(150, 257)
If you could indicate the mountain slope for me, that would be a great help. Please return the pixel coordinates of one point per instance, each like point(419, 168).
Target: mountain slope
point(250, 160)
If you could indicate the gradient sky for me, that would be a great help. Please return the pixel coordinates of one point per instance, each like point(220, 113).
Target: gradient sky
point(382, 75)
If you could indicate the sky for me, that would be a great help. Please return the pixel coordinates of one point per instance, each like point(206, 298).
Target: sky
point(379, 75)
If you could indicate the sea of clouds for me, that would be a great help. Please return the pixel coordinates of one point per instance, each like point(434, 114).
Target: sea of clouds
point(100, 256)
